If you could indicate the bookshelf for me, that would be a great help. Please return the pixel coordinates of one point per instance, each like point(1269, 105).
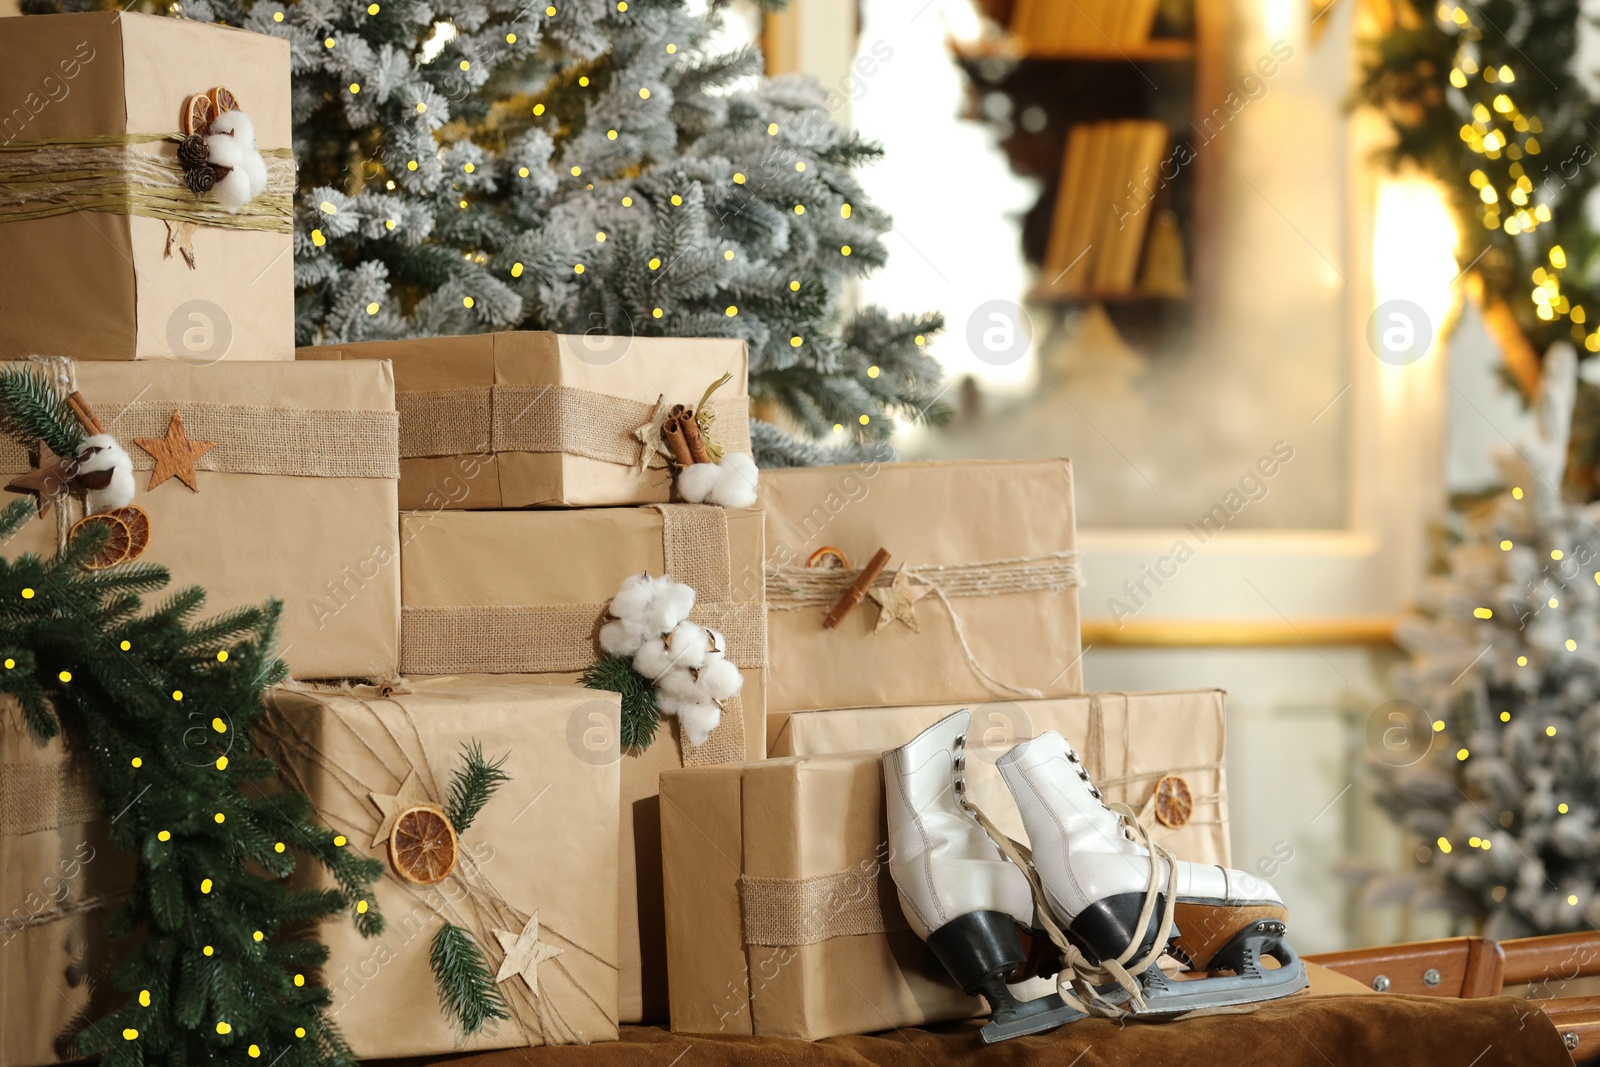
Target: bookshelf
point(1100, 94)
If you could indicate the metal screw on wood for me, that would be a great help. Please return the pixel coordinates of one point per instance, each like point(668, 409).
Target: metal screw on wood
point(1570, 1040)
point(1431, 977)
point(1381, 983)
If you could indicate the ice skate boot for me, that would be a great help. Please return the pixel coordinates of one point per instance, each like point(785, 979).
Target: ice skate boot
point(1123, 901)
point(958, 893)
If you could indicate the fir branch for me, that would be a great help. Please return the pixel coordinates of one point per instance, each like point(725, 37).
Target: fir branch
point(466, 986)
point(473, 785)
point(32, 409)
point(640, 716)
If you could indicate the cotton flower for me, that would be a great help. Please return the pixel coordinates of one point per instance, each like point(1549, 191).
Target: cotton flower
point(105, 473)
point(729, 483)
point(687, 662)
point(231, 141)
point(621, 637)
point(698, 720)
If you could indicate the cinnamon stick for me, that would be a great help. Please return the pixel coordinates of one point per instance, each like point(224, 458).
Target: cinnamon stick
point(676, 441)
point(85, 414)
point(694, 438)
point(858, 589)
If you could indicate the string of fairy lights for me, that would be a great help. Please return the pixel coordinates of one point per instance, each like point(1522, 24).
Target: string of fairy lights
point(1500, 130)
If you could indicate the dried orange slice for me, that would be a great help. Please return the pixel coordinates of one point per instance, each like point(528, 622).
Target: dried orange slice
point(830, 558)
point(1174, 802)
point(138, 522)
point(198, 112)
point(222, 100)
point(422, 845)
point(117, 543)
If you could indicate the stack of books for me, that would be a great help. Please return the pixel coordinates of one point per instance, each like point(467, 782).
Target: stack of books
point(1111, 176)
point(1046, 26)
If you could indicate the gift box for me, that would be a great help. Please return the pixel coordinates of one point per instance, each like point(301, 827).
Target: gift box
point(282, 484)
point(60, 881)
point(979, 600)
point(513, 420)
point(1161, 754)
point(534, 882)
point(105, 252)
point(525, 593)
point(782, 919)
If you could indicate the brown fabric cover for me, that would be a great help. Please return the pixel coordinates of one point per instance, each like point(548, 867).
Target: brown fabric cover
point(1328, 1031)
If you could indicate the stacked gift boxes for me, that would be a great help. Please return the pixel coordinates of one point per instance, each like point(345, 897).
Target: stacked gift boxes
point(258, 476)
point(448, 524)
point(535, 478)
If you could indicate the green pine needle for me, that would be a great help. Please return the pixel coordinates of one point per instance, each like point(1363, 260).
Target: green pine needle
point(640, 715)
point(474, 784)
point(467, 988)
point(31, 409)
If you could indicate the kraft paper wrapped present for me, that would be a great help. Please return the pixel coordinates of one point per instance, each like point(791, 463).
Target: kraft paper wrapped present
point(1162, 754)
point(295, 499)
point(512, 420)
point(60, 881)
point(782, 919)
point(98, 229)
point(525, 592)
point(535, 881)
point(978, 602)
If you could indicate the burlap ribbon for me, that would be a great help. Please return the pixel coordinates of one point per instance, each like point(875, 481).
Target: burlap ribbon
point(779, 912)
point(544, 418)
point(797, 588)
point(248, 438)
point(473, 902)
point(118, 174)
point(39, 796)
point(560, 638)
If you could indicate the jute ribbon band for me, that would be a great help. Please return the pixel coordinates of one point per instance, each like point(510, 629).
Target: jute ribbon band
point(560, 638)
point(543, 418)
point(255, 439)
point(47, 795)
point(118, 174)
point(792, 912)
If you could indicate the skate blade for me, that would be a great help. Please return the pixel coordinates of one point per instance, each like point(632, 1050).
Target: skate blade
point(1032, 1017)
point(1162, 996)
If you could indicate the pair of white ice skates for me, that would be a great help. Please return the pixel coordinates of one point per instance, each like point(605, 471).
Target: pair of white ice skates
point(1096, 901)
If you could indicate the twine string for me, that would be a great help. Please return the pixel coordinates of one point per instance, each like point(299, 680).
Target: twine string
point(796, 588)
point(485, 907)
point(116, 173)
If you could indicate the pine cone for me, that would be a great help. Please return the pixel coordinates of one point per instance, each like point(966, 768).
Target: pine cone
point(193, 151)
point(200, 179)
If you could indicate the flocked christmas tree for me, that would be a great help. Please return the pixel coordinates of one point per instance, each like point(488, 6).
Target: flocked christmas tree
point(589, 166)
point(224, 964)
point(1505, 668)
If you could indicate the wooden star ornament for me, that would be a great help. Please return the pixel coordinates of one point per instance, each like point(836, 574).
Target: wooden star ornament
point(524, 952)
point(898, 600)
point(44, 482)
point(649, 435)
point(390, 805)
point(174, 454)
